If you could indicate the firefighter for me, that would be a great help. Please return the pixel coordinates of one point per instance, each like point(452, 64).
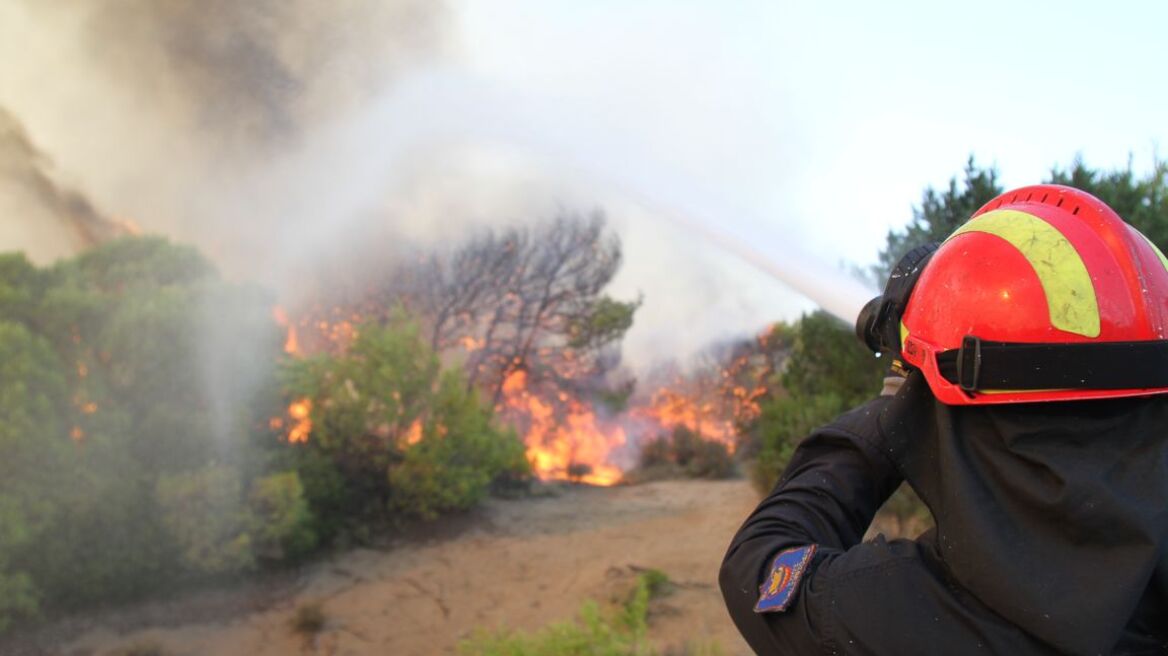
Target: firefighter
point(1027, 408)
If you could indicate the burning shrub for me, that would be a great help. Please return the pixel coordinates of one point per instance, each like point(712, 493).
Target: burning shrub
point(523, 310)
point(457, 457)
point(392, 432)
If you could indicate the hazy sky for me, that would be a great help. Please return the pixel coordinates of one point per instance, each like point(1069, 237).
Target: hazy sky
point(813, 125)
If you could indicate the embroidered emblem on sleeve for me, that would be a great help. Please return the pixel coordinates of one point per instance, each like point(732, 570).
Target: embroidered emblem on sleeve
point(778, 589)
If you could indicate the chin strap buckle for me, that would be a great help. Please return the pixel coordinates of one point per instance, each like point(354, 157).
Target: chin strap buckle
point(969, 363)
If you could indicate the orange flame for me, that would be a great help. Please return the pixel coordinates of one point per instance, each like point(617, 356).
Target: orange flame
point(574, 446)
point(127, 226)
point(471, 344)
point(291, 343)
point(300, 412)
point(564, 437)
point(670, 409)
point(414, 433)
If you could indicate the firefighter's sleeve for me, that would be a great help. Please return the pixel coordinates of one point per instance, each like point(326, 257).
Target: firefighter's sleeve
point(837, 479)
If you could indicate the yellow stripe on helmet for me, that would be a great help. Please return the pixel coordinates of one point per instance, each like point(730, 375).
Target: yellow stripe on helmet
point(1070, 295)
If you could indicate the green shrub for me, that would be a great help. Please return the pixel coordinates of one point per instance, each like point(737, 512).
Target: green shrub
point(105, 542)
point(281, 522)
point(204, 513)
point(655, 582)
point(129, 363)
point(783, 423)
point(18, 597)
point(33, 454)
point(330, 498)
point(218, 529)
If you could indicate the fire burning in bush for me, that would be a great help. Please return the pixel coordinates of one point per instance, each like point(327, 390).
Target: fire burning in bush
point(523, 314)
point(569, 437)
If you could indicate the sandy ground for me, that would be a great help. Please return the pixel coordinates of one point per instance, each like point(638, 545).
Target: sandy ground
point(518, 564)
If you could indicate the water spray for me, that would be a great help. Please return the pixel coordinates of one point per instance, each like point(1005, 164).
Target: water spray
point(443, 106)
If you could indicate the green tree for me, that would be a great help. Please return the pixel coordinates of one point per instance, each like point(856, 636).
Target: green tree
point(35, 451)
point(604, 321)
point(128, 363)
point(827, 359)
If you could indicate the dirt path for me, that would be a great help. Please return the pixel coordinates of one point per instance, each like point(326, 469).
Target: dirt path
point(522, 565)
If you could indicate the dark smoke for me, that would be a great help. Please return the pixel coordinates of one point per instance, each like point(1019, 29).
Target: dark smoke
point(192, 116)
point(31, 172)
point(259, 71)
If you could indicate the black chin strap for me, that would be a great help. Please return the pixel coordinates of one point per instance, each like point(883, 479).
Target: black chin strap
point(980, 365)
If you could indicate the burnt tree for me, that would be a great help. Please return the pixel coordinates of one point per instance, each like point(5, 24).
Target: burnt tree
point(528, 298)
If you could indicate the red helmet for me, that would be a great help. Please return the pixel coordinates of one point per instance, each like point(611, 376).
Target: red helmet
point(1045, 294)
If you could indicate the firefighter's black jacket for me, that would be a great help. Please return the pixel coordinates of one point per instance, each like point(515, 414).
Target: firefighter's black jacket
point(1051, 528)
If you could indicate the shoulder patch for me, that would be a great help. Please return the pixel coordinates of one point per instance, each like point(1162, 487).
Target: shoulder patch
point(782, 580)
